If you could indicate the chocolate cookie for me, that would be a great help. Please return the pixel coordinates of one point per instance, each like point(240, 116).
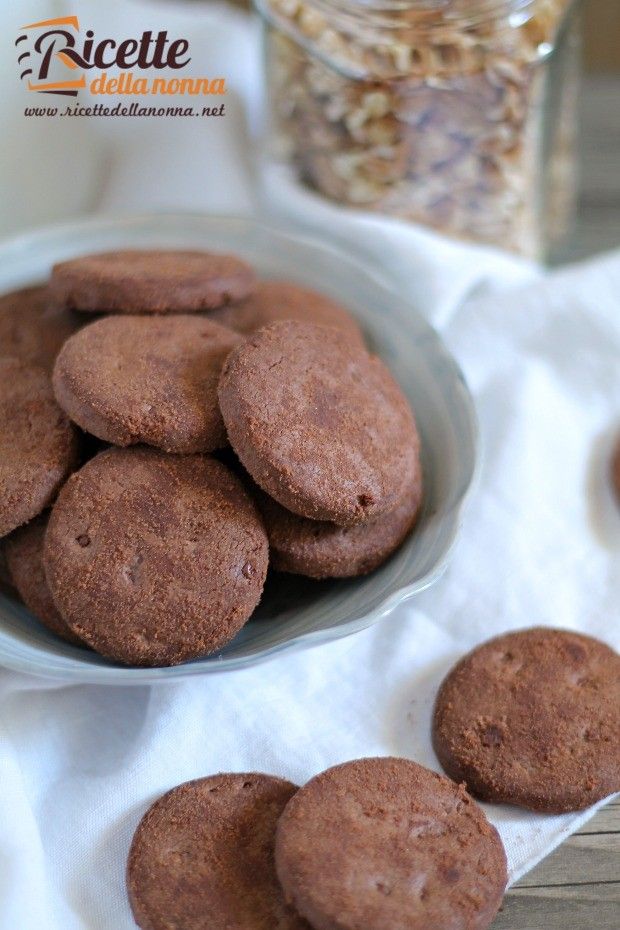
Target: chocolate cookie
point(385, 844)
point(153, 281)
point(319, 423)
point(153, 380)
point(202, 857)
point(326, 550)
point(38, 445)
point(154, 559)
point(283, 300)
point(533, 718)
point(32, 331)
point(24, 555)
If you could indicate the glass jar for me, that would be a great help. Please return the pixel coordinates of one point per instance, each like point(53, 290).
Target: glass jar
point(456, 114)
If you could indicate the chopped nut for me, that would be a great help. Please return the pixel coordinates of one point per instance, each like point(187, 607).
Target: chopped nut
point(437, 119)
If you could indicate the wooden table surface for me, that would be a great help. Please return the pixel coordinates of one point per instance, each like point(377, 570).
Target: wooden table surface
point(598, 219)
point(578, 886)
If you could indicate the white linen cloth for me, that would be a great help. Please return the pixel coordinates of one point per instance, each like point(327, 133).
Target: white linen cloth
point(540, 542)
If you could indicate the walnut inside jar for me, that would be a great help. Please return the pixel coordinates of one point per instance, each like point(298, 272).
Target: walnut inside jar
point(431, 111)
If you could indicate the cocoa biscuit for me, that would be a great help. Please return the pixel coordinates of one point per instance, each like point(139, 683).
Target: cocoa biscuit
point(140, 379)
point(320, 424)
point(154, 559)
point(30, 329)
point(283, 300)
point(385, 844)
point(24, 556)
point(202, 857)
point(325, 550)
point(38, 445)
point(533, 718)
point(150, 281)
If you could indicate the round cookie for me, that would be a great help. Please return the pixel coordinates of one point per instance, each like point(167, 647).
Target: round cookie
point(32, 331)
point(385, 844)
point(326, 550)
point(203, 858)
point(533, 718)
point(140, 379)
point(24, 556)
point(283, 300)
point(38, 445)
point(320, 424)
point(150, 281)
point(154, 559)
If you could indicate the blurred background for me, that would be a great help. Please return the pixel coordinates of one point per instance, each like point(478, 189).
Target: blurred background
point(52, 169)
point(598, 223)
point(602, 35)
point(598, 219)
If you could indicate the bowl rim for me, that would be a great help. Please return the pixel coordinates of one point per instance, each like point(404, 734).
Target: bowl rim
point(118, 675)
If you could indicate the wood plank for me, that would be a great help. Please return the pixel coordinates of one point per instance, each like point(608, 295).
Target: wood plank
point(607, 820)
point(599, 142)
point(576, 888)
point(597, 227)
point(601, 21)
point(582, 859)
point(577, 907)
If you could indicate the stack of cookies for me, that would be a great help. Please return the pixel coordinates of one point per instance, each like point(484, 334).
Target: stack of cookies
point(530, 718)
point(373, 844)
point(200, 426)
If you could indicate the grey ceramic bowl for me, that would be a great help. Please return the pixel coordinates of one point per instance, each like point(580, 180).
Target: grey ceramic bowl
point(295, 612)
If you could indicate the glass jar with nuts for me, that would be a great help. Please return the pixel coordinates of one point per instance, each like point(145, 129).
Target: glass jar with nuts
point(456, 114)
